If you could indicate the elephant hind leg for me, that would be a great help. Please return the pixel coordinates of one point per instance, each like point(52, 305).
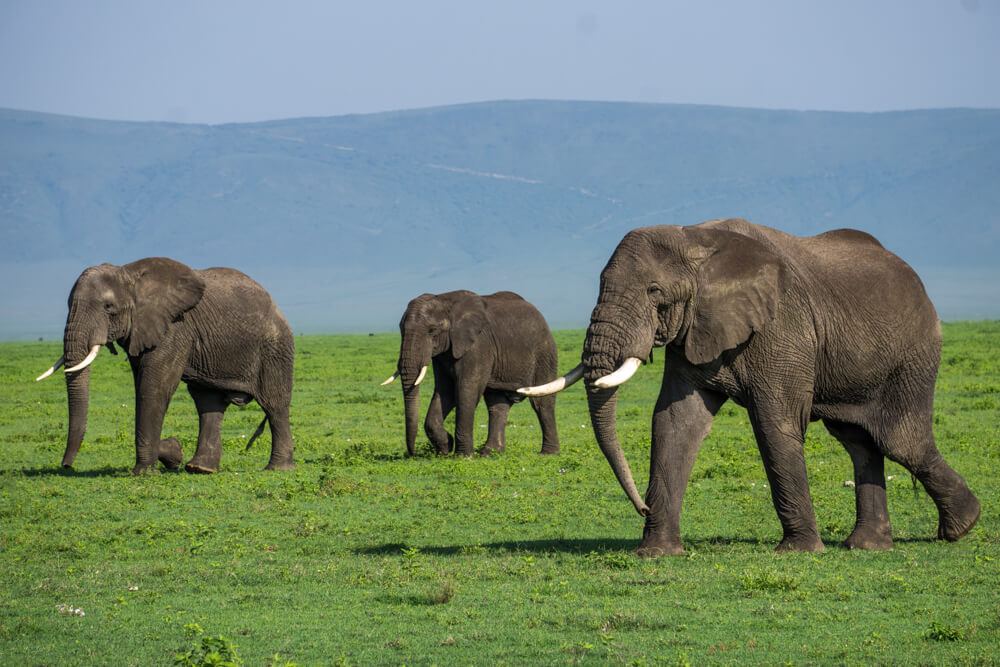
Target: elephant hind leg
point(872, 529)
point(211, 405)
point(282, 445)
point(545, 409)
point(912, 445)
point(958, 507)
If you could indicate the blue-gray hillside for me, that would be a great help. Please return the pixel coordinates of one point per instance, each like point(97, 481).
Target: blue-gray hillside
point(344, 219)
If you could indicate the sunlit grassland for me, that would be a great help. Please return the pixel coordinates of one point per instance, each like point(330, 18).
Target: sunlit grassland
point(362, 556)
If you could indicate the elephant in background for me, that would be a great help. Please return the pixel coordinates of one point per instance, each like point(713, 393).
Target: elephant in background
point(480, 346)
point(216, 329)
point(831, 327)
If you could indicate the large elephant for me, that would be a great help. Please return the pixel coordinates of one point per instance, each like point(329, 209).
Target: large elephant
point(216, 329)
point(480, 346)
point(832, 327)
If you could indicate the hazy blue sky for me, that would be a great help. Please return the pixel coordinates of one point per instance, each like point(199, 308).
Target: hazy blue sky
point(228, 61)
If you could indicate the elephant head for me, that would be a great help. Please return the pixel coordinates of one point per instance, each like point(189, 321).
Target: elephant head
point(701, 289)
point(132, 304)
point(432, 325)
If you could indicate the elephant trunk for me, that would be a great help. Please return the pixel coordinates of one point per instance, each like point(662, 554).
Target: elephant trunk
point(414, 357)
point(78, 341)
point(609, 343)
point(602, 404)
point(78, 394)
point(411, 403)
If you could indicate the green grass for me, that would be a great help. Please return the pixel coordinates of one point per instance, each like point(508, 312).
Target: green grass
point(361, 556)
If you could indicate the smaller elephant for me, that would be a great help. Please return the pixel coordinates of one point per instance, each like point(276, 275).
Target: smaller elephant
point(480, 346)
point(216, 329)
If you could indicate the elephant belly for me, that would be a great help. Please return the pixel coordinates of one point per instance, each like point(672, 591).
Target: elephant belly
point(238, 398)
point(510, 395)
point(237, 391)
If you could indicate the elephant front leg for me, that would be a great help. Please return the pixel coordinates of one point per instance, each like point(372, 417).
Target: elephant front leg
point(682, 419)
point(152, 398)
point(465, 415)
point(442, 403)
point(780, 433)
point(499, 408)
point(211, 406)
point(171, 453)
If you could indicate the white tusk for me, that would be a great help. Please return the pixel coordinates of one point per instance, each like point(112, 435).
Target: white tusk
point(420, 378)
point(391, 378)
point(556, 385)
point(52, 370)
point(620, 376)
point(86, 361)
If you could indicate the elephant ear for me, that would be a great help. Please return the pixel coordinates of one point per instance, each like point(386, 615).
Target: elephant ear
point(164, 290)
point(468, 322)
point(739, 286)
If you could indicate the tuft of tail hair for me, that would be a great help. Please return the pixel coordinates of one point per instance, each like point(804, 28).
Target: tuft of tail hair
point(260, 429)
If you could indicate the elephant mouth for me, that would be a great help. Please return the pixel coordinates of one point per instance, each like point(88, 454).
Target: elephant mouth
point(620, 375)
point(89, 359)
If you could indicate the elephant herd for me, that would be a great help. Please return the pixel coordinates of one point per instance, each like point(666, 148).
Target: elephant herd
point(832, 327)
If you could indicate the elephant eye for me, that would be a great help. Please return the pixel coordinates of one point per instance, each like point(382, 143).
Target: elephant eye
point(655, 291)
point(109, 307)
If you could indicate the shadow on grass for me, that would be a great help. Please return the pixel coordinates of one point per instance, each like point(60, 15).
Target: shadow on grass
point(348, 462)
point(511, 546)
point(59, 471)
point(584, 546)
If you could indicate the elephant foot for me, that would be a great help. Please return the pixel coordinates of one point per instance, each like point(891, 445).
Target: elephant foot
point(870, 537)
point(657, 552)
point(465, 450)
point(205, 460)
point(490, 450)
point(142, 469)
point(280, 465)
point(444, 447)
point(957, 518)
point(654, 546)
point(804, 543)
point(550, 449)
point(171, 453)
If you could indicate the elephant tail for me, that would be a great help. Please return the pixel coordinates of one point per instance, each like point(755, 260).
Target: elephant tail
point(260, 429)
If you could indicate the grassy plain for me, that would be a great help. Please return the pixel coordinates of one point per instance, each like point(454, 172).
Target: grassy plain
point(362, 556)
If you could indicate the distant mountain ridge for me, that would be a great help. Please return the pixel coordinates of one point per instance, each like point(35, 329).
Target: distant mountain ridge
point(344, 219)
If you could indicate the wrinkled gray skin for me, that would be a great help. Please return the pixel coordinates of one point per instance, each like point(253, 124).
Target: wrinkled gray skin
point(831, 327)
point(216, 329)
point(478, 346)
